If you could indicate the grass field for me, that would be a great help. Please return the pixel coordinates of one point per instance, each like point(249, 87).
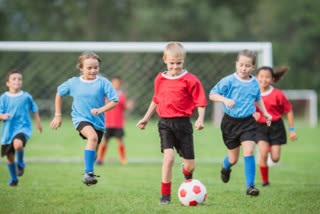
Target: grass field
point(56, 187)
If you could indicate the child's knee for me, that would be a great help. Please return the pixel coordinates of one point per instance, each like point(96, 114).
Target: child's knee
point(169, 159)
point(275, 159)
point(190, 167)
point(18, 145)
point(10, 158)
point(233, 160)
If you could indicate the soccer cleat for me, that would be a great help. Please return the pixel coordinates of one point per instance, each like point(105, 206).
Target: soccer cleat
point(225, 175)
point(20, 170)
point(165, 199)
point(252, 191)
point(13, 183)
point(265, 184)
point(98, 162)
point(89, 178)
point(186, 177)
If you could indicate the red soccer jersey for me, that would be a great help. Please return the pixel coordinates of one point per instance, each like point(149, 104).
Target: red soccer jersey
point(178, 96)
point(115, 117)
point(276, 104)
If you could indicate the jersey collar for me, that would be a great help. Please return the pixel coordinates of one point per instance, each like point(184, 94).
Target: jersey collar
point(14, 95)
point(88, 81)
point(176, 77)
point(267, 92)
point(249, 80)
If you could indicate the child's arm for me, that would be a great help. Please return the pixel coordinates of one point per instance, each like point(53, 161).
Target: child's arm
point(292, 133)
point(199, 124)
point(57, 120)
point(4, 116)
point(39, 125)
point(219, 98)
point(110, 105)
point(143, 123)
point(263, 110)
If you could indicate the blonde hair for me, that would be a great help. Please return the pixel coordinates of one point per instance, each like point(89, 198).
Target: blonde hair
point(175, 49)
point(86, 55)
point(249, 54)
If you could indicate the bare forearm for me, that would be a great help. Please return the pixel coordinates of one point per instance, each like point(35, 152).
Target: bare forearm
point(37, 117)
point(217, 98)
point(152, 108)
point(58, 103)
point(261, 106)
point(201, 112)
point(290, 119)
point(110, 105)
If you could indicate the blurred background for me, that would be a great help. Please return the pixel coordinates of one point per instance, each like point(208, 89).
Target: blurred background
point(293, 28)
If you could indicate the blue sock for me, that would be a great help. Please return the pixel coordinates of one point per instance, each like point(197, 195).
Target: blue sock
point(89, 159)
point(12, 171)
point(226, 163)
point(249, 169)
point(20, 156)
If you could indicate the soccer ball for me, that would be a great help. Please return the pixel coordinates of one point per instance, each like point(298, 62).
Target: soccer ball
point(192, 192)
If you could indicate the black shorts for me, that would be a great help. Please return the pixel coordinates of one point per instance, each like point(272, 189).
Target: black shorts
point(178, 133)
point(237, 130)
point(114, 132)
point(8, 148)
point(85, 123)
point(274, 134)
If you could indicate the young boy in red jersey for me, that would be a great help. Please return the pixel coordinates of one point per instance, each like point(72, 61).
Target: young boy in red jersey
point(114, 122)
point(276, 104)
point(177, 93)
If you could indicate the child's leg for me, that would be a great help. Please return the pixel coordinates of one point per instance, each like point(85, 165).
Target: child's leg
point(121, 150)
point(18, 146)
point(188, 168)
point(264, 169)
point(90, 149)
point(12, 167)
point(249, 162)
point(103, 148)
point(232, 158)
point(168, 161)
point(275, 153)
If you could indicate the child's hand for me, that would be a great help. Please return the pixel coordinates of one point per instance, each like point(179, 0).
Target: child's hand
point(5, 116)
point(199, 124)
point(229, 103)
point(142, 124)
point(256, 115)
point(96, 111)
point(56, 122)
point(292, 135)
point(268, 118)
point(39, 127)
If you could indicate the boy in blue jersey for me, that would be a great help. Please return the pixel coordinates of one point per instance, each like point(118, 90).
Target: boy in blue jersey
point(238, 92)
point(88, 107)
point(15, 105)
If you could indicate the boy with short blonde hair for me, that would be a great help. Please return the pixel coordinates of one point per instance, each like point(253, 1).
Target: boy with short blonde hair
point(177, 93)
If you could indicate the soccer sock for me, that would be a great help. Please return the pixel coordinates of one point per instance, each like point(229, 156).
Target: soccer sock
point(264, 170)
point(186, 172)
point(12, 171)
point(20, 156)
point(102, 151)
point(121, 150)
point(89, 158)
point(226, 163)
point(166, 188)
point(249, 169)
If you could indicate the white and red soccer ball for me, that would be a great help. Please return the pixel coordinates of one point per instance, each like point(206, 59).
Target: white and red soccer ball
point(192, 192)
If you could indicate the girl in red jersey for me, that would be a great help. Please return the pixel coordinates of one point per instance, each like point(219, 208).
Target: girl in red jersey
point(177, 94)
point(271, 138)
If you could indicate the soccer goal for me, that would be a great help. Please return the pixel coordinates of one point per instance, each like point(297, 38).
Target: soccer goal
point(47, 64)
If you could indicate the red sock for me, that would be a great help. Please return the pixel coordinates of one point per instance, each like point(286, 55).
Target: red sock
point(186, 172)
point(166, 188)
point(264, 173)
point(121, 150)
point(102, 151)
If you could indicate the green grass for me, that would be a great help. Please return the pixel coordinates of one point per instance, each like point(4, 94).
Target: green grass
point(135, 188)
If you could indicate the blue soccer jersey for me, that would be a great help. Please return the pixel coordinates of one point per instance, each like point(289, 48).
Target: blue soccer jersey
point(243, 92)
point(18, 107)
point(88, 94)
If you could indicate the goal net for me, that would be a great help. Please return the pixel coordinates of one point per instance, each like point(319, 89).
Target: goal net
point(45, 65)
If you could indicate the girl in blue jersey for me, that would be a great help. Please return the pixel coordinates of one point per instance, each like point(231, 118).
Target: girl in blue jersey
point(15, 105)
point(88, 92)
point(238, 92)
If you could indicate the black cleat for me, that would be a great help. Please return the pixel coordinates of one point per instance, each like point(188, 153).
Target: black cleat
point(13, 183)
point(186, 177)
point(165, 199)
point(20, 170)
point(252, 191)
point(225, 175)
point(89, 178)
point(265, 184)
